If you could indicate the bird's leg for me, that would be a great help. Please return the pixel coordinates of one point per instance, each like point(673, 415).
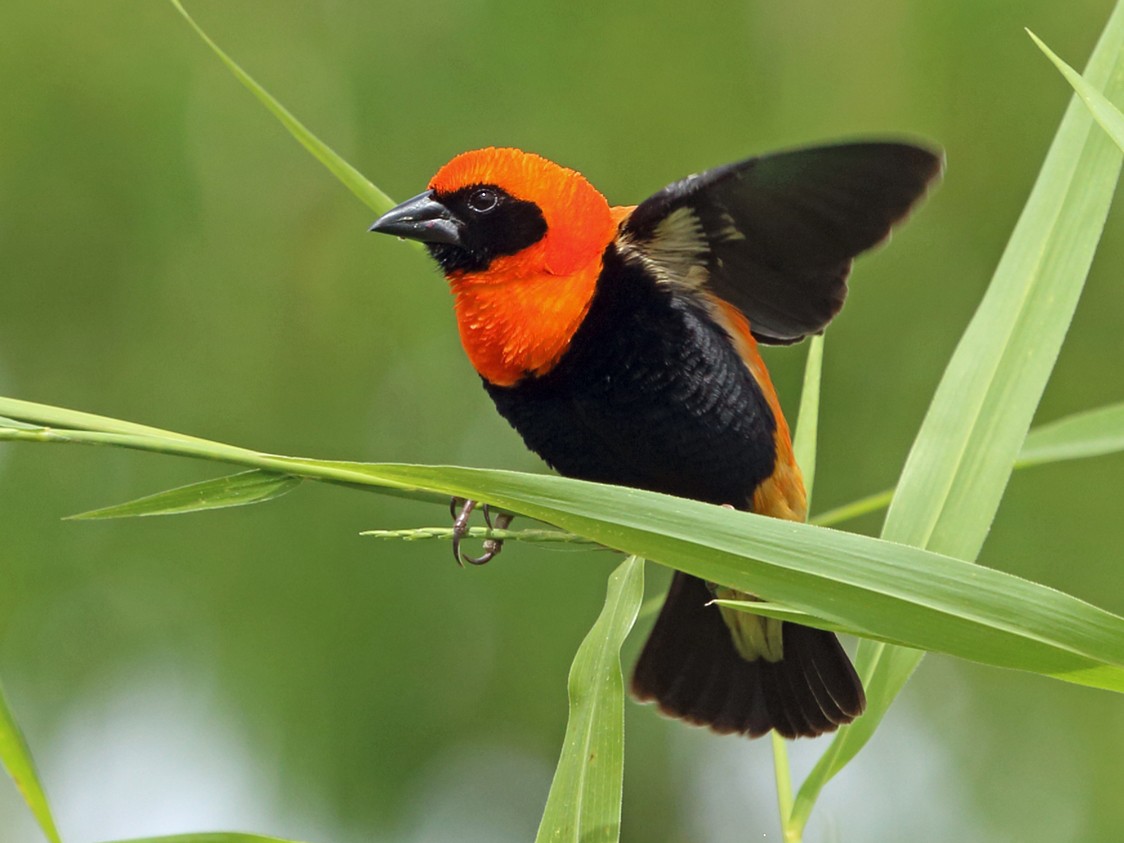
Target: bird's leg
point(460, 523)
point(492, 547)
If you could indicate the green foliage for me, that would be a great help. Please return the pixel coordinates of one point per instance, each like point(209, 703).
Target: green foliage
point(1103, 111)
point(958, 467)
point(16, 759)
point(915, 587)
point(350, 177)
point(1094, 433)
point(247, 487)
point(873, 586)
point(584, 805)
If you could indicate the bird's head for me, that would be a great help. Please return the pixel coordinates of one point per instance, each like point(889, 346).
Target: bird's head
point(498, 214)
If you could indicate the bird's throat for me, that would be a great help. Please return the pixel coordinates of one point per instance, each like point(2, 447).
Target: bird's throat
point(521, 327)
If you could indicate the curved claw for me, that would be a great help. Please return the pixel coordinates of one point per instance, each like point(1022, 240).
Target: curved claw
point(460, 525)
point(492, 547)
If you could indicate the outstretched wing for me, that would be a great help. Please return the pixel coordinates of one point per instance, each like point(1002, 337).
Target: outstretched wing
point(775, 236)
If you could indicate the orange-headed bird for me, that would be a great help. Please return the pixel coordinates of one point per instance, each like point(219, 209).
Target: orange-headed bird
point(621, 343)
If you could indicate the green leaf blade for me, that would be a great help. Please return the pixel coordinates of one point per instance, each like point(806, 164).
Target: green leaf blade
point(807, 427)
point(1103, 111)
point(958, 469)
point(584, 805)
point(1093, 433)
point(16, 758)
point(895, 591)
point(210, 837)
point(242, 489)
point(350, 177)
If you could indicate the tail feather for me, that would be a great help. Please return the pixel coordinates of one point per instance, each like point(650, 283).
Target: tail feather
point(691, 668)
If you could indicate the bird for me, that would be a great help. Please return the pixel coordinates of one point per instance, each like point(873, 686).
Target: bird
point(621, 343)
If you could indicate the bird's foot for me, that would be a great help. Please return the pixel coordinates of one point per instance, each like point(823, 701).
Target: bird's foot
point(461, 516)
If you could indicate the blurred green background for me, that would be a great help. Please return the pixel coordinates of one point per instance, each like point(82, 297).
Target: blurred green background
point(169, 255)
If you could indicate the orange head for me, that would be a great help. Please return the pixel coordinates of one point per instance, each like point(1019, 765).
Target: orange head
point(520, 239)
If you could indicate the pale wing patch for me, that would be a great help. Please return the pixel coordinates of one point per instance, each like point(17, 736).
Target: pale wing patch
point(677, 251)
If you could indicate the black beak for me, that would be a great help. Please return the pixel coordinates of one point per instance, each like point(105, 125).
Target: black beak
point(421, 218)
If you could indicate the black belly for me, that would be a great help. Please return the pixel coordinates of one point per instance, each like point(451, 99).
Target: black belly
point(651, 394)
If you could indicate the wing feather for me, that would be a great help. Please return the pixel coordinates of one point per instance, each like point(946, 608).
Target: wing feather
point(775, 235)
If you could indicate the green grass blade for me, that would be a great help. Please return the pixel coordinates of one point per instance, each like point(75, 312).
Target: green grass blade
point(446, 533)
point(1103, 111)
point(16, 758)
point(804, 450)
point(901, 593)
point(27, 415)
point(350, 177)
point(1093, 433)
point(210, 837)
point(897, 592)
point(247, 487)
point(48, 424)
point(854, 509)
point(807, 427)
point(584, 805)
point(16, 425)
point(958, 468)
point(1090, 434)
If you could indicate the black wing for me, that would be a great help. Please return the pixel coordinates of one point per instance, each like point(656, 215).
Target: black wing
point(775, 235)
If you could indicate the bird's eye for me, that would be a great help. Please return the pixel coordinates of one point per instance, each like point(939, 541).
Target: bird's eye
point(483, 200)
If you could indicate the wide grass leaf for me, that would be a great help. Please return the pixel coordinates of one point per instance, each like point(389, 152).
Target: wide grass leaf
point(961, 460)
point(16, 758)
point(246, 487)
point(584, 805)
point(901, 593)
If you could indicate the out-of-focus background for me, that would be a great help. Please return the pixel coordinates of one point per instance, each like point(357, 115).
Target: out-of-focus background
point(169, 255)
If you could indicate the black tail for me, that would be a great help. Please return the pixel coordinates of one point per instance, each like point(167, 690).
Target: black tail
point(692, 670)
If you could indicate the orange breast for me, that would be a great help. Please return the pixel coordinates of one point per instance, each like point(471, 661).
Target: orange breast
point(513, 322)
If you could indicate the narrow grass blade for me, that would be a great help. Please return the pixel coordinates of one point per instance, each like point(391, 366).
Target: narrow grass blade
point(30, 416)
point(45, 423)
point(584, 805)
point(804, 444)
point(210, 837)
point(962, 458)
point(447, 533)
point(16, 758)
point(807, 427)
point(247, 487)
point(854, 509)
point(1091, 434)
point(16, 425)
point(1103, 111)
point(350, 177)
